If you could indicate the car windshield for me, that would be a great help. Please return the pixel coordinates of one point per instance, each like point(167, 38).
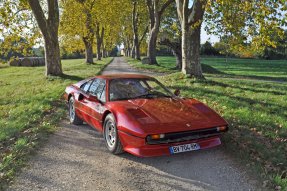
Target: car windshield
point(133, 88)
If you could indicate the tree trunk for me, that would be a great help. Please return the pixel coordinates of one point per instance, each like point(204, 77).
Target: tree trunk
point(88, 51)
point(52, 57)
point(195, 54)
point(176, 50)
point(128, 48)
point(104, 52)
point(89, 39)
point(155, 13)
point(100, 38)
point(151, 50)
point(191, 19)
point(186, 53)
point(178, 60)
point(128, 52)
point(135, 49)
point(186, 49)
point(99, 54)
point(49, 28)
point(133, 52)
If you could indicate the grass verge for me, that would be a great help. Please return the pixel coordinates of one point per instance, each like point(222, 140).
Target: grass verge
point(251, 69)
point(31, 107)
point(165, 65)
point(255, 109)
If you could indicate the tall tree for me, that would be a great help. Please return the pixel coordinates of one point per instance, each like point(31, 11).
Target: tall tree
point(139, 26)
point(156, 9)
point(78, 22)
point(136, 47)
point(191, 19)
point(100, 36)
point(88, 39)
point(49, 28)
point(14, 15)
point(90, 20)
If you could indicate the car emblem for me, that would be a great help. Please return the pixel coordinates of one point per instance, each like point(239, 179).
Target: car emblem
point(188, 125)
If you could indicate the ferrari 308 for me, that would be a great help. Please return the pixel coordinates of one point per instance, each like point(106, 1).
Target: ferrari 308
point(139, 115)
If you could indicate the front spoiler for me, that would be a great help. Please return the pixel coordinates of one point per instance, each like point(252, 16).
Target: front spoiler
point(138, 147)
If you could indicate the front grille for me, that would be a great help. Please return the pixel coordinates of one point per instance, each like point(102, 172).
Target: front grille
point(184, 136)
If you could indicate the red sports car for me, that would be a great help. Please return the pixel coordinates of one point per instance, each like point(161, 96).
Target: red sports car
point(139, 115)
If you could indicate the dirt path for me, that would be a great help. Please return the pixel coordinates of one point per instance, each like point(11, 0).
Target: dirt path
point(75, 158)
point(119, 65)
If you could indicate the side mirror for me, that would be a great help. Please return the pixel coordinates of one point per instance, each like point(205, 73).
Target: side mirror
point(81, 97)
point(177, 92)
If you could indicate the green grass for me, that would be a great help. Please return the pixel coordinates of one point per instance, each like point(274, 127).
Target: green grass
point(255, 109)
point(250, 68)
point(166, 65)
point(273, 70)
point(31, 106)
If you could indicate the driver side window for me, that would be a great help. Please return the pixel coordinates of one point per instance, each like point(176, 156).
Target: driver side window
point(94, 86)
point(85, 87)
point(98, 89)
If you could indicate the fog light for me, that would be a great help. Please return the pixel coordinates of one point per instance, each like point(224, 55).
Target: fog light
point(221, 128)
point(157, 136)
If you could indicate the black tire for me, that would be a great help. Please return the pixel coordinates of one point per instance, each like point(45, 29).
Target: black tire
point(73, 117)
point(111, 137)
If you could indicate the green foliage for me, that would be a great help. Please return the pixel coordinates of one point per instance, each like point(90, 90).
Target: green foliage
point(208, 49)
point(170, 26)
point(280, 52)
point(252, 22)
point(81, 18)
point(17, 28)
point(126, 25)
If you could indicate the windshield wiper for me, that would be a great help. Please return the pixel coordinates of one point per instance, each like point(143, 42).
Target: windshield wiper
point(143, 96)
point(151, 95)
point(168, 96)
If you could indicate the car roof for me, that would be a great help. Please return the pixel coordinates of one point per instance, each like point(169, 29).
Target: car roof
point(113, 76)
point(117, 76)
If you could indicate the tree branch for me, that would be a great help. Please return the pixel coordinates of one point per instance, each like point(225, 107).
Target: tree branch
point(53, 11)
point(151, 12)
point(39, 15)
point(167, 42)
point(179, 6)
point(197, 11)
point(144, 34)
point(102, 34)
point(164, 6)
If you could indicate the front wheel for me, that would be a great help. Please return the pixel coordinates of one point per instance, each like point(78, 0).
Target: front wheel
point(74, 119)
point(111, 137)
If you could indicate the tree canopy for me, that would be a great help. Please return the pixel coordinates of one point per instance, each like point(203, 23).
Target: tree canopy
point(97, 26)
point(252, 23)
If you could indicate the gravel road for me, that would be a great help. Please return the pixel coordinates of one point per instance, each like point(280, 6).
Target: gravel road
point(75, 158)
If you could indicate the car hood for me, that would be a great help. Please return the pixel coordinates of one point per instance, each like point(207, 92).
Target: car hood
point(164, 115)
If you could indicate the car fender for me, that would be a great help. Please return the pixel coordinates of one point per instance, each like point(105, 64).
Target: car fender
point(125, 122)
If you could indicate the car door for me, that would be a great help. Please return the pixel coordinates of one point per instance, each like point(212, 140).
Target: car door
point(80, 105)
point(97, 108)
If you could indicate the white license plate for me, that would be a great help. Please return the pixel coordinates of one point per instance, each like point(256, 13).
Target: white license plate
point(184, 148)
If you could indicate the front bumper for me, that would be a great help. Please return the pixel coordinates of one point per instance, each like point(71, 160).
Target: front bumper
point(138, 146)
